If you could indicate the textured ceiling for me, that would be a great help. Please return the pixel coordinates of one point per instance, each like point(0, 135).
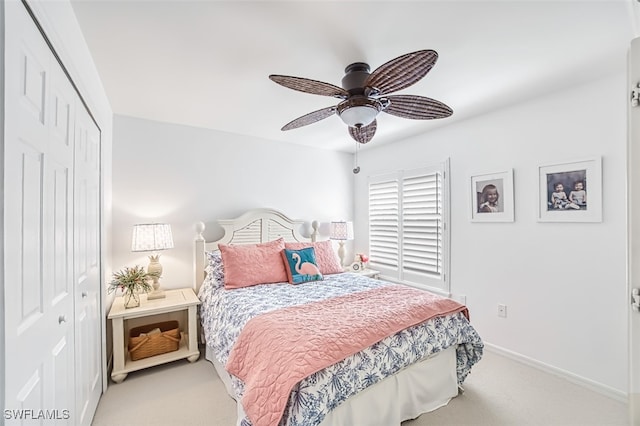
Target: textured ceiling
point(206, 63)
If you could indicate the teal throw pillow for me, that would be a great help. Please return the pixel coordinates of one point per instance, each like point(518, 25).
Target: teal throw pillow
point(301, 265)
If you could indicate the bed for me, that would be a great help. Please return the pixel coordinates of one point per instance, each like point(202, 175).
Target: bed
point(412, 370)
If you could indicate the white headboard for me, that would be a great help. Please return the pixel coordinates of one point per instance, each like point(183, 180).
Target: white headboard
point(254, 226)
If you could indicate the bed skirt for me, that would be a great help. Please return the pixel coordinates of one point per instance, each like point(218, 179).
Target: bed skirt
point(420, 388)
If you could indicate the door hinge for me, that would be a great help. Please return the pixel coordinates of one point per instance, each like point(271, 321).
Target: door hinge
point(635, 95)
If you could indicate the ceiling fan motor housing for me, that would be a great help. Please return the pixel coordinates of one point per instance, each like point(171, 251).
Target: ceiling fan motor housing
point(355, 76)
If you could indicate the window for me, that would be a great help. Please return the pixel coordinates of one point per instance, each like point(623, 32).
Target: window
point(408, 238)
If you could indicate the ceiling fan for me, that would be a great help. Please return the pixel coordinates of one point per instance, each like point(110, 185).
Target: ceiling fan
point(366, 94)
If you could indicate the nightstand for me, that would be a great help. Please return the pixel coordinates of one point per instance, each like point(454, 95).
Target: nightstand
point(372, 273)
point(181, 304)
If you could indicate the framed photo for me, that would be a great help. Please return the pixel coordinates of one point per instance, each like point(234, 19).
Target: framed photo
point(492, 197)
point(571, 191)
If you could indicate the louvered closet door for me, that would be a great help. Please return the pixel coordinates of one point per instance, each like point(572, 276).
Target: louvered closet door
point(38, 227)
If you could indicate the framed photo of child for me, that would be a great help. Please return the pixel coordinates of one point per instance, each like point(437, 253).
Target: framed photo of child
point(492, 197)
point(571, 191)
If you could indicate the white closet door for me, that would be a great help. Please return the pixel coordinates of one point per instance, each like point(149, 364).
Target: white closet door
point(87, 266)
point(633, 185)
point(38, 227)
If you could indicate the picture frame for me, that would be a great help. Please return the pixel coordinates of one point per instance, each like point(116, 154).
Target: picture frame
point(485, 207)
point(581, 183)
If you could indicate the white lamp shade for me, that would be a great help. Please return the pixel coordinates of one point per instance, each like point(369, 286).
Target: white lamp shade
point(151, 237)
point(341, 231)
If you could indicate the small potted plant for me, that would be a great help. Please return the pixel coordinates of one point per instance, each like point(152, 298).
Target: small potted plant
point(131, 281)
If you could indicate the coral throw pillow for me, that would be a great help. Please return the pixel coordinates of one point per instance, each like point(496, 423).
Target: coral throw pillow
point(251, 264)
point(301, 265)
point(326, 257)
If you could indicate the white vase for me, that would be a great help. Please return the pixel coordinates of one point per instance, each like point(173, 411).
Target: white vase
point(131, 300)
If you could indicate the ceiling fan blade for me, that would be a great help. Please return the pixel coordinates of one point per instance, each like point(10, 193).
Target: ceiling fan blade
point(416, 107)
point(365, 133)
point(307, 85)
point(310, 118)
point(401, 72)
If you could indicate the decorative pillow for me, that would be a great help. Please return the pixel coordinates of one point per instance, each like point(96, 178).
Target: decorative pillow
point(251, 264)
point(326, 256)
point(301, 265)
point(215, 269)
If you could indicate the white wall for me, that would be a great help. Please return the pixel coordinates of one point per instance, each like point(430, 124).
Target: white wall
point(181, 175)
point(564, 283)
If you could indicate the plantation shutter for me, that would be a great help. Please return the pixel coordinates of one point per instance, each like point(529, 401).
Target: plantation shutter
point(383, 222)
point(421, 226)
point(407, 226)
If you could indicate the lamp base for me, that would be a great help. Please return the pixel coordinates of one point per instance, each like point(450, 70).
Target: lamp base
point(156, 294)
point(341, 253)
point(156, 268)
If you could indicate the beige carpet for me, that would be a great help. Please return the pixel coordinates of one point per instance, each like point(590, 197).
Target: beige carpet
point(499, 392)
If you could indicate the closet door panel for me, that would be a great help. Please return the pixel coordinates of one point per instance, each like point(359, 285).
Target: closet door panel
point(27, 313)
point(59, 225)
point(38, 225)
point(34, 66)
point(60, 175)
point(87, 261)
point(62, 379)
point(28, 218)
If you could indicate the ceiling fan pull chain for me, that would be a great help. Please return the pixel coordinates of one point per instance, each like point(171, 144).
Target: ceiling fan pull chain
point(356, 168)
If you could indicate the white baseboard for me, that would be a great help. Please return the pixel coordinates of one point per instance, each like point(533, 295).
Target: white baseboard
point(574, 378)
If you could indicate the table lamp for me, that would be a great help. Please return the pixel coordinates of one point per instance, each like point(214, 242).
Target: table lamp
point(152, 237)
point(341, 232)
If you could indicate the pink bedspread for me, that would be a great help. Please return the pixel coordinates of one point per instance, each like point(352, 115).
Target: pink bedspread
point(277, 349)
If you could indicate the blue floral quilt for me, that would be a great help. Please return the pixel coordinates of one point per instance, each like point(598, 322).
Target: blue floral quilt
point(224, 313)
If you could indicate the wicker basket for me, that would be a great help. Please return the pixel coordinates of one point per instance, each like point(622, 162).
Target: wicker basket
point(145, 346)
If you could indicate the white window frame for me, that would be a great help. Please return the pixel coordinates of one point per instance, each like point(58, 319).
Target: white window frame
point(385, 223)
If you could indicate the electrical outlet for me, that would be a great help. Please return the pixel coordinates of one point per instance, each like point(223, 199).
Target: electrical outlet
point(502, 311)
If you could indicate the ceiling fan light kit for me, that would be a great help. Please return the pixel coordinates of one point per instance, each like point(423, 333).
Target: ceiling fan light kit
point(358, 111)
point(364, 95)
